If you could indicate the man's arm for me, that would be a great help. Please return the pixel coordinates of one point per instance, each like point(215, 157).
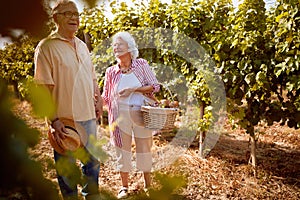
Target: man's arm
point(98, 100)
point(55, 124)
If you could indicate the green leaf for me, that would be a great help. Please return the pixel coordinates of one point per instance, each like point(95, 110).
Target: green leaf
point(42, 102)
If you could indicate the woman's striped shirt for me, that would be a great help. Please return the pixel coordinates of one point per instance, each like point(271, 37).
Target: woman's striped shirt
point(141, 69)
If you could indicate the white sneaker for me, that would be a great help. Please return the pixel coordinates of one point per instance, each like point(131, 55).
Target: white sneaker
point(123, 193)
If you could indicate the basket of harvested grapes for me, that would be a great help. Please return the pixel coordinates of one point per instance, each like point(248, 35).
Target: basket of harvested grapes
point(160, 117)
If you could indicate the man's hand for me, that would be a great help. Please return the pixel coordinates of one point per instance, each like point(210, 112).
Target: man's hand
point(98, 107)
point(58, 130)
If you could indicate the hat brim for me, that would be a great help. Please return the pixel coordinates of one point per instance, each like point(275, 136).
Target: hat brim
point(74, 139)
point(71, 142)
point(80, 130)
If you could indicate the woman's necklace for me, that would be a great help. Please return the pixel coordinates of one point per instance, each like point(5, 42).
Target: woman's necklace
point(125, 71)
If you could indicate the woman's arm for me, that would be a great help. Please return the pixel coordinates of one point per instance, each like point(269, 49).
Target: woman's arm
point(144, 89)
point(151, 79)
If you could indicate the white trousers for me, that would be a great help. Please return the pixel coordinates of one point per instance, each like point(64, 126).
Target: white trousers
point(132, 126)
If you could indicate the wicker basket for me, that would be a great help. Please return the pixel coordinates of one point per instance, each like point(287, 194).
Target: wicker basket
point(156, 118)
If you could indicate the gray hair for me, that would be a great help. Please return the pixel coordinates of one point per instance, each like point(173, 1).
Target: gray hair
point(127, 37)
point(60, 4)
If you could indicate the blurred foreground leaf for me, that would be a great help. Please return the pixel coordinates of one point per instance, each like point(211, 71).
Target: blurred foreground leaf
point(19, 174)
point(42, 102)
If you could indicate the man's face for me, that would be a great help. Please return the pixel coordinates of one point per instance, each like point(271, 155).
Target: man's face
point(67, 18)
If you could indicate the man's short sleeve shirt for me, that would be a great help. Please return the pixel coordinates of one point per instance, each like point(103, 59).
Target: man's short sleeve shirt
point(71, 72)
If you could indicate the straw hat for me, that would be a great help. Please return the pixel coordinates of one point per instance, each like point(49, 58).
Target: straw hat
point(75, 138)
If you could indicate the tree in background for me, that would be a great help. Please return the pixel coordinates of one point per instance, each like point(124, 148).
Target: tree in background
point(17, 64)
point(245, 66)
point(285, 33)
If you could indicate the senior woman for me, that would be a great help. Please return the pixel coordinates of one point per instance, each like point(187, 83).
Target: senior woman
point(125, 87)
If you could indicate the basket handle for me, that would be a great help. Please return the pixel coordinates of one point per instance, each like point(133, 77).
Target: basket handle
point(168, 89)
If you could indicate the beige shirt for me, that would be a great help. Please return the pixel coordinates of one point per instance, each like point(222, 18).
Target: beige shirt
point(71, 72)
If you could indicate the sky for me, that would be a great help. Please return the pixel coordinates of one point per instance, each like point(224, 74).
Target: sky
point(4, 40)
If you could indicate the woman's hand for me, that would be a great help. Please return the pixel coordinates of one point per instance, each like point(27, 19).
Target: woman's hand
point(126, 92)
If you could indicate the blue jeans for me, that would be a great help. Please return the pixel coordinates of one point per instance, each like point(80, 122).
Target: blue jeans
point(90, 169)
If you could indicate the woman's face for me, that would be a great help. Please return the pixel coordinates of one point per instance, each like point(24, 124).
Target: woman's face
point(120, 47)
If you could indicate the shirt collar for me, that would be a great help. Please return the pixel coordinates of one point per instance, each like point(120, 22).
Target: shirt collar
point(56, 35)
point(133, 63)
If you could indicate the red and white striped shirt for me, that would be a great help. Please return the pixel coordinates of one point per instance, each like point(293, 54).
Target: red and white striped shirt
point(141, 69)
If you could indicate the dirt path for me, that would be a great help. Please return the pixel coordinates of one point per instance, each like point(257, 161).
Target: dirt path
point(224, 174)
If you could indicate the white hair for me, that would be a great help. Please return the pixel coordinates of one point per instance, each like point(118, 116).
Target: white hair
point(127, 37)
